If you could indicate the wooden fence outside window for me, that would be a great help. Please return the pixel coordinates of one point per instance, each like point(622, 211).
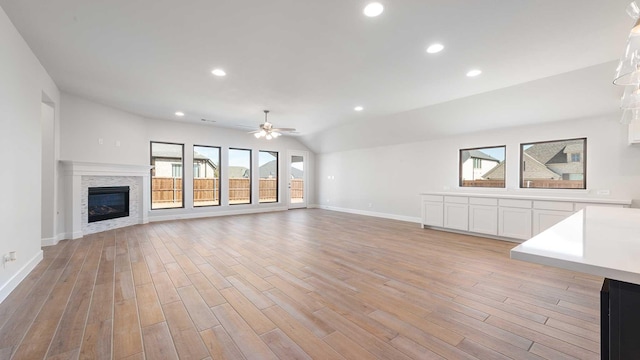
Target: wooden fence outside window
point(534, 183)
point(169, 190)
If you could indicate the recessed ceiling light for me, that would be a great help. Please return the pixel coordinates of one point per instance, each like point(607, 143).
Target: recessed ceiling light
point(218, 72)
point(435, 48)
point(373, 9)
point(474, 72)
point(179, 113)
point(358, 108)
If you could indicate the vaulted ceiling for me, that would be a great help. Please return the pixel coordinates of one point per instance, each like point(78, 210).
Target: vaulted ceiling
point(311, 63)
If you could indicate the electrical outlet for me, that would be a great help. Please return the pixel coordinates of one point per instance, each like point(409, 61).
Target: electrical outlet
point(370, 205)
point(100, 141)
point(11, 256)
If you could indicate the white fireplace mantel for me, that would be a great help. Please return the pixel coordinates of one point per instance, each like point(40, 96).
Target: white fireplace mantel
point(75, 170)
point(100, 169)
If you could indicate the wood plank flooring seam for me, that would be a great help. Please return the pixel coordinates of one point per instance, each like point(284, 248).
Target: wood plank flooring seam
point(43, 302)
point(69, 299)
point(311, 283)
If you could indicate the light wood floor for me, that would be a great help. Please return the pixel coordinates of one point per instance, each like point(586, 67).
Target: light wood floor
point(298, 284)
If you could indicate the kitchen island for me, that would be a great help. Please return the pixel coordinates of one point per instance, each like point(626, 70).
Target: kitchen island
point(603, 242)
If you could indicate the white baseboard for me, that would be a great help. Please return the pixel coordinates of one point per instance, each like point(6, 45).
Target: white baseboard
point(371, 213)
point(49, 241)
point(53, 240)
point(17, 278)
point(73, 235)
point(197, 215)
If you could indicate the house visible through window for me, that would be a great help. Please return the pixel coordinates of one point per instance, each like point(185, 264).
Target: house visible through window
point(206, 176)
point(239, 171)
point(176, 171)
point(166, 175)
point(268, 168)
point(559, 164)
point(483, 167)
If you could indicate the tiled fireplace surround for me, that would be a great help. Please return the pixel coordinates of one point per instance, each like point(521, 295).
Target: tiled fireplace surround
point(79, 176)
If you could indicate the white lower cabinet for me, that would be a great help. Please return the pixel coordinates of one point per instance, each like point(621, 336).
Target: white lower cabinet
point(514, 223)
point(483, 219)
point(506, 217)
point(432, 214)
point(544, 219)
point(456, 216)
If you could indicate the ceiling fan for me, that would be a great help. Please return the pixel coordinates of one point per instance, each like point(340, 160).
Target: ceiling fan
point(268, 131)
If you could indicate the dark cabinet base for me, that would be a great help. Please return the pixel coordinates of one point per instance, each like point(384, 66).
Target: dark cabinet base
point(619, 320)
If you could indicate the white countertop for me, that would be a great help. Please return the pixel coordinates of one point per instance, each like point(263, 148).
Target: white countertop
point(584, 199)
point(600, 241)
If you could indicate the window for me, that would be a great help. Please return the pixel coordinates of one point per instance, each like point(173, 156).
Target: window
point(166, 175)
point(268, 168)
point(483, 167)
point(206, 176)
point(559, 164)
point(176, 171)
point(239, 171)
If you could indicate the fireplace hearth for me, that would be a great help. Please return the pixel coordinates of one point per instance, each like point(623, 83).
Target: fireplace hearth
point(108, 203)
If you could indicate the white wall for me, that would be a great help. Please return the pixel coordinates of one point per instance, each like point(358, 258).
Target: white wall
point(84, 123)
point(48, 163)
point(387, 180)
point(23, 85)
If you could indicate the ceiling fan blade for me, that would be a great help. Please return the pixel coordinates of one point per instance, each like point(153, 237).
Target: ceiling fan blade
point(244, 126)
point(254, 132)
point(284, 129)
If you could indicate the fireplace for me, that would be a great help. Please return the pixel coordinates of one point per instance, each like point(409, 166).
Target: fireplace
point(108, 203)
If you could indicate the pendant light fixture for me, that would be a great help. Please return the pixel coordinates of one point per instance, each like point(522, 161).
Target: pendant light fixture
point(628, 70)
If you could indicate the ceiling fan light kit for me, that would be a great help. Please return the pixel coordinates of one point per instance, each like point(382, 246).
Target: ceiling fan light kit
point(267, 130)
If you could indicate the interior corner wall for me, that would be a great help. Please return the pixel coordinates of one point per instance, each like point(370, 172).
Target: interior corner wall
point(386, 181)
point(24, 80)
point(92, 132)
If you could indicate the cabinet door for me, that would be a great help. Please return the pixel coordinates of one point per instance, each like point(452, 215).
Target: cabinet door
point(544, 219)
point(483, 219)
point(634, 133)
point(432, 214)
point(514, 223)
point(456, 216)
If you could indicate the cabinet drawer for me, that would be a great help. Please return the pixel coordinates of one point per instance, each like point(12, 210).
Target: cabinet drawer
point(553, 205)
point(524, 204)
point(483, 201)
point(580, 206)
point(456, 199)
point(434, 198)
